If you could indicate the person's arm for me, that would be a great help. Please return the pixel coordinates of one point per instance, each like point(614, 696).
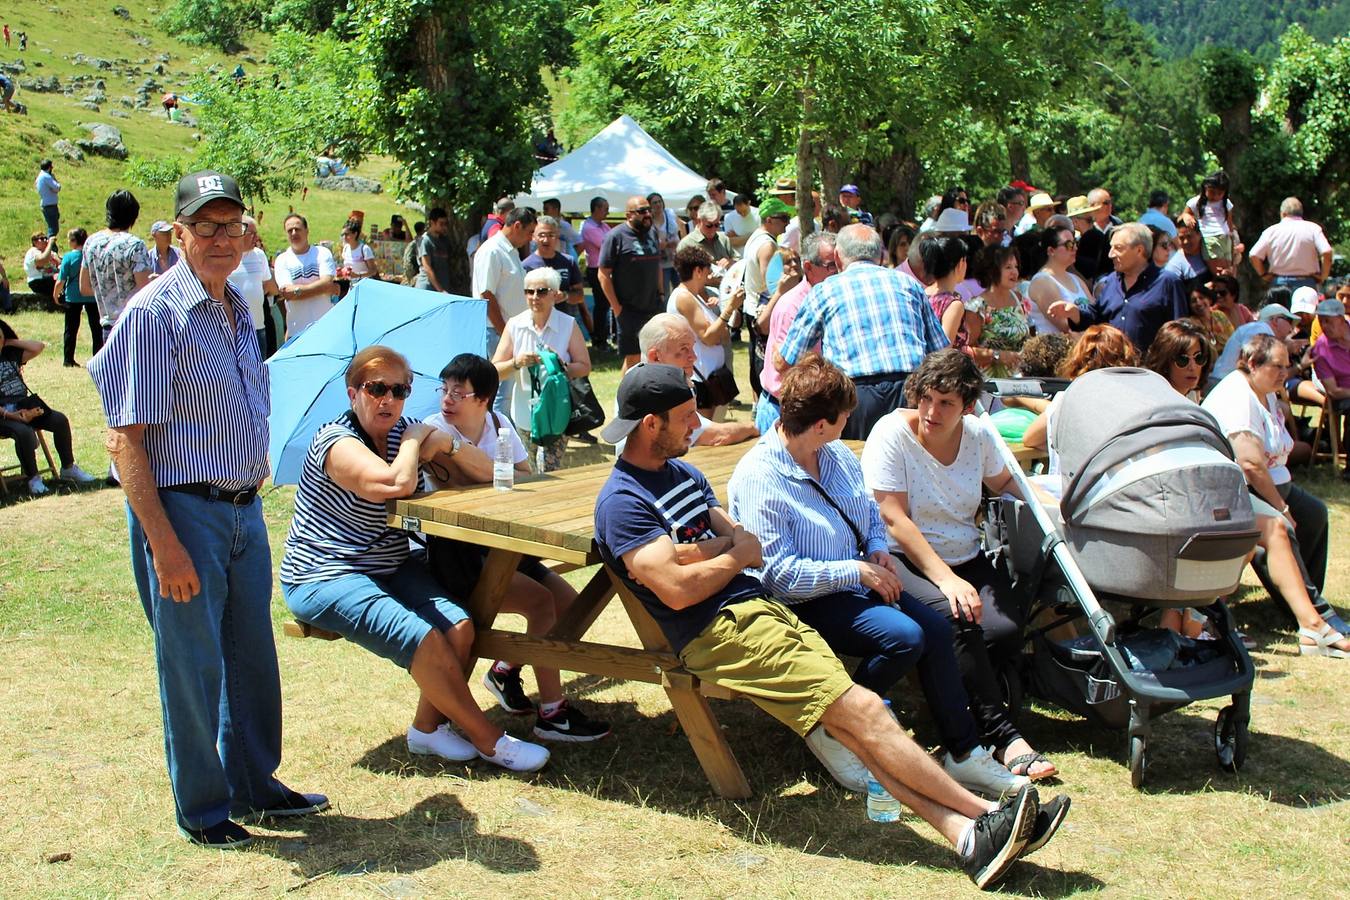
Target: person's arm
point(580, 365)
point(1251, 456)
point(792, 276)
point(576, 294)
point(962, 597)
point(1004, 483)
point(355, 468)
point(678, 586)
point(952, 318)
point(59, 292)
point(606, 278)
point(48, 256)
point(1326, 258)
point(494, 311)
point(29, 349)
point(710, 333)
point(1036, 436)
point(424, 260)
point(173, 566)
point(1044, 296)
point(1332, 389)
point(720, 434)
point(325, 286)
point(505, 359)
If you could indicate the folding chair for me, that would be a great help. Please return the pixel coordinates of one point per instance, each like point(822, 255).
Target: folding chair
point(1329, 418)
point(15, 472)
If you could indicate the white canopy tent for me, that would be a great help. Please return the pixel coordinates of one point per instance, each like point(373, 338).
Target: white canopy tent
point(619, 162)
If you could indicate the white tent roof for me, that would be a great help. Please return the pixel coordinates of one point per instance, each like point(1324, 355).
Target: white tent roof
point(620, 161)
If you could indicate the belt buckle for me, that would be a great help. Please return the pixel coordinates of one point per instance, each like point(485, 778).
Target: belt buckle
point(242, 498)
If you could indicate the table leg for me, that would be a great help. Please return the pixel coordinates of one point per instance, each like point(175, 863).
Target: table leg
point(588, 606)
point(485, 601)
point(691, 708)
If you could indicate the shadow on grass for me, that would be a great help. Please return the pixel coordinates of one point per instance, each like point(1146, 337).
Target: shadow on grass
point(18, 490)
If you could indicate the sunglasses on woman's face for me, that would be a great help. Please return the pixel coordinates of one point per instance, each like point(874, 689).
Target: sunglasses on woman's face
point(1182, 360)
point(378, 389)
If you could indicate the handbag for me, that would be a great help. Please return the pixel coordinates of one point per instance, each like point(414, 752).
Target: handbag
point(717, 388)
point(587, 413)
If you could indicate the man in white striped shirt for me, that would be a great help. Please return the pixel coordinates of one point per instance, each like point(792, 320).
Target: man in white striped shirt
point(186, 399)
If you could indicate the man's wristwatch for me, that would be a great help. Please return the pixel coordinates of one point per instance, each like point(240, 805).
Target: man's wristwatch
point(996, 356)
point(455, 443)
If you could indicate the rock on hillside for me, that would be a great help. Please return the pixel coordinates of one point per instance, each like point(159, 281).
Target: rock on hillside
point(103, 140)
point(353, 183)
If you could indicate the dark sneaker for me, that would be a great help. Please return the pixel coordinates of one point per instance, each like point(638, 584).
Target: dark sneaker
point(1048, 818)
point(1000, 837)
point(508, 691)
point(294, 804)
point(221, 836)
point(569, 724)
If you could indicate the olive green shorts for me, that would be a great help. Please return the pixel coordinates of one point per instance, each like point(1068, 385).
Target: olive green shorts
point(759, 648)
point(1219, 246)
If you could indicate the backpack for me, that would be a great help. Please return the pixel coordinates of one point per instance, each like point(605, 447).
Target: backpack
point(550, 398)
point(410, 260)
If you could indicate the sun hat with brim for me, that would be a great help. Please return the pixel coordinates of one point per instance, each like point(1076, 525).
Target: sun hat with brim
point(1078, 206)
point(647, 389)
point(1305, 300)
point(952, 221)
point(775, 207)
point(160, 227)
point(786, 187)
point(196, 189)
point(1275, 311)
point(1040, 200)
point(1331, 307)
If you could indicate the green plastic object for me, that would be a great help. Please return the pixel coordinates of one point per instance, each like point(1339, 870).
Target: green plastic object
point(1013, 423)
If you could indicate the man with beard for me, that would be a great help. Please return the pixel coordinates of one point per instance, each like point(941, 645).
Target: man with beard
point(630, 275)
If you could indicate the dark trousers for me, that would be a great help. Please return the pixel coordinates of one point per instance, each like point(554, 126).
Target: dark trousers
point(758, 344)
point(6, 299)
point(73, 313)
point(600, 311)
point(43, 287)
point(877, 395)
point(51, 214)
point(892, 640)
point(981, 650)
point(26, 440)
point(1309, 539)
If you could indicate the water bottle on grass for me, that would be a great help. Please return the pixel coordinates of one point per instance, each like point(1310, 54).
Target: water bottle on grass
point(881, 806)
point(503, 468)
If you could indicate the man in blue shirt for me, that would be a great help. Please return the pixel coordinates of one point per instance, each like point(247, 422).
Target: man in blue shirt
point(186, 398)
point(1138, 297)
point(1156, 215)
point(47, 190)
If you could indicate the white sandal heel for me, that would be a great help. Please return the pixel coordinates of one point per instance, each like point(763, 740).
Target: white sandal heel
point(1322, 641)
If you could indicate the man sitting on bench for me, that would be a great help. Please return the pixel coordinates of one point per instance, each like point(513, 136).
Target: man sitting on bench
point(660, 529)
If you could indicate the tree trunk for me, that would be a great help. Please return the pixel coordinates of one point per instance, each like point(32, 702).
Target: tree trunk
point(831, 174)
point(894, 182)
point(1249, 209)
point(1019, 162)
point(805, 209)
point(436, 77)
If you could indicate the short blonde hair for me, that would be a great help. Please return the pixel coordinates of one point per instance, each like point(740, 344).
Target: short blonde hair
point(372, 358)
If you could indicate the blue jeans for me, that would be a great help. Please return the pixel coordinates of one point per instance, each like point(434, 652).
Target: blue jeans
point(502, 403)
point(51, 214)
point(767, 412)
point(1294, 282)
point(219, 688)
point(891, 640)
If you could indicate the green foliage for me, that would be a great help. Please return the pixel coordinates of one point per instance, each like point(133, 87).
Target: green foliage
point(216, 23)
point(1184, 26)
point(155, 172)
point(1230, 77)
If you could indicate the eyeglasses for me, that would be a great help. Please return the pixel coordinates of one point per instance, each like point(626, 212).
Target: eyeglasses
point(538, 292)
point(378, 389)
point(963, 200)
point(828, 266)
point(712, 225)
point(1069, 245)
point(455, 394)
point(643, 209)
point(1223, 293)
point(205, 229)
point(1182, 360)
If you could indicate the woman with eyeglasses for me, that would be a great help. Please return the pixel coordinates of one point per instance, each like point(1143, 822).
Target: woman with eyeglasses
point(346, 571)
point(1055, 282)
point(540, 325)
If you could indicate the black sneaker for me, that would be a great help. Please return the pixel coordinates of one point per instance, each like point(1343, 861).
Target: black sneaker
point(569, 724)
point(1000, 837)
point(586, 438)
point(293, 804)
point(1048, 818)
point(508, 691)
point(221, 836)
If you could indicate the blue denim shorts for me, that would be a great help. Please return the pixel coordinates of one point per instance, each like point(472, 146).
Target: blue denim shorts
point(387, 614)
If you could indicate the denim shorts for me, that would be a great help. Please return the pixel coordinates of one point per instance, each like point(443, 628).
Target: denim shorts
point(388, 614)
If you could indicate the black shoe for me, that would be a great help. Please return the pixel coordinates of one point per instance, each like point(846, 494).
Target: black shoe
point(221, 836)
point(1000, 836)
point(586, 438)
point(569, 724)
point(71, 364)
point(1345, 474)
point(1048, 819)
point(294, 804)
point(508, 691)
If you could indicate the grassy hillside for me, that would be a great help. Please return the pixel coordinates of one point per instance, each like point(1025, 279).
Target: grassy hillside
point(57, 32)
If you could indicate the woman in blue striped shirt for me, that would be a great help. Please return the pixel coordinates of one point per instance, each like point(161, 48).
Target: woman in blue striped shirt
point(345, 570)
point(801, 491)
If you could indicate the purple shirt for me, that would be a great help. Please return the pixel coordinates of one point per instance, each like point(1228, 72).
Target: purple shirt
point(1331, 360)
point(592, 238)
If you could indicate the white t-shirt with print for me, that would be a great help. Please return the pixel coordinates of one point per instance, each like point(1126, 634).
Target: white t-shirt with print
point(943, 500)
point(302, 269)
point(356, 258)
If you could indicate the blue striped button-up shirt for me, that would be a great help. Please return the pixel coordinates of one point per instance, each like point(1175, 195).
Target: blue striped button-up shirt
point(172, 365)
point(808, 549)
point(869, 320)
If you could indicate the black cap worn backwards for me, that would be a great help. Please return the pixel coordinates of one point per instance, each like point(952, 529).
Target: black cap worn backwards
point(647, 389)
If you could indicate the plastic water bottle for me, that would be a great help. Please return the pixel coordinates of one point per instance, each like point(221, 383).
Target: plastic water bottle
point(503, 469)
point(881, 806)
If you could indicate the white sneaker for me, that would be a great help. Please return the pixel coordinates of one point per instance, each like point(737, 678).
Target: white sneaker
point(442, 742)
point(517, 755)
point(36, 486)
point(838, 760)
point(980, 773)
point(77, 475)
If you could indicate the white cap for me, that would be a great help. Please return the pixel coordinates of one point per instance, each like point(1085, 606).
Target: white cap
point(1305, 300)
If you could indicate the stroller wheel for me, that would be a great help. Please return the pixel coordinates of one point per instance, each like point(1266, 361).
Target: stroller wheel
point(1138, 761)
point(1010, 684)
point(1230, 740)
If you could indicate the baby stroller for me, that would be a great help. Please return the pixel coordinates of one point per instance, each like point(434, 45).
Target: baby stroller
point(1154, 514)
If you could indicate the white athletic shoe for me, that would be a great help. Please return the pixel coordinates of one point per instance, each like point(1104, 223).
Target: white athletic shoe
point(980, 773)
point(76, 474)
point(838, 760)
point(517, 755)
point(36, 487)
point(442, 742)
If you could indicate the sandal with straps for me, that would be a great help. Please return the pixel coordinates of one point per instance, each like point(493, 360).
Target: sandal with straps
point(1026, 761)
point(1323, 642)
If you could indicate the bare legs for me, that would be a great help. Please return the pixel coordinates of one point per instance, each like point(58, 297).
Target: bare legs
point(541, 603)
point(1284, 572)
point(438, 669)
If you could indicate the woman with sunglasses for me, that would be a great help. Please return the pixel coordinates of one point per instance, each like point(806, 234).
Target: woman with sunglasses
point(1218, 327)
point(1054, 282)
point(345, 570)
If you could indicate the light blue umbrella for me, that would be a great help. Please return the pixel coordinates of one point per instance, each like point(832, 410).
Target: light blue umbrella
point(308, 374)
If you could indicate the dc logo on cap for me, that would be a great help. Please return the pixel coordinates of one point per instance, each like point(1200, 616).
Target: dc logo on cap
point(208, 184)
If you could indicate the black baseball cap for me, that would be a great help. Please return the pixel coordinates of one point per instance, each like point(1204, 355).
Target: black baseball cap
point(647, 389)
point(196, 189)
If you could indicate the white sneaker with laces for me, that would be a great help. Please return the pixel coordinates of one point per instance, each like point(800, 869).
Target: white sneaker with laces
point(36, 487)
point(442, 742)
point(838, 760)
point(980, 773)
point(76, 474)
point(517, 755)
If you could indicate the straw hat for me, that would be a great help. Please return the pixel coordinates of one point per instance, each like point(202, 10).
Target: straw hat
point(1040, 200)
point(1078, 206)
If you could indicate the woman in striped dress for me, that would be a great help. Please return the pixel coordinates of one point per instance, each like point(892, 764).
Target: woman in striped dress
point(345, 570)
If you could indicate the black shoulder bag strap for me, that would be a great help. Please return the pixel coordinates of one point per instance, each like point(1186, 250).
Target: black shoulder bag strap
point(857, 535)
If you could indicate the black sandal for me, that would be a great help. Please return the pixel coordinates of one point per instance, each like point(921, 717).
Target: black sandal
point(1026, 761)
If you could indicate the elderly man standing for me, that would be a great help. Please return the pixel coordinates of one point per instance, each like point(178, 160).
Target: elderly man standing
point(630, 275)
point(818, 263)
point(1292, 252)
point(706, 232)
point(306, 277)
point(499, 279)
point(1138, 297)
point(186, 398)
point(874, 323)
point(1094, 244)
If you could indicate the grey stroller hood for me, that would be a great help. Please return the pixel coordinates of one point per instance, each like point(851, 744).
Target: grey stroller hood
point(1154, 507)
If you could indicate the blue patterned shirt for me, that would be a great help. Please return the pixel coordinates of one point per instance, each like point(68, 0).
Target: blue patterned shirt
point(869, 320)
point(172, 365)
point(809, 551)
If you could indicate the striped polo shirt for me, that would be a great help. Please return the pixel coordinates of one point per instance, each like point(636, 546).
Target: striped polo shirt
point(172, 365)
point(335, 532)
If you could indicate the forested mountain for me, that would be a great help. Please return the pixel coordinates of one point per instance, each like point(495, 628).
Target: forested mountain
point(1181, 26)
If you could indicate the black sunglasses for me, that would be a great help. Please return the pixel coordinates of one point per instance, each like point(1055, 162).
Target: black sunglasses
point(378, 389)
point(1182, 360)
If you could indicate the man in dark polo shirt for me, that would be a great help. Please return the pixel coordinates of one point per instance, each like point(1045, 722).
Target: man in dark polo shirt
point(630, 275)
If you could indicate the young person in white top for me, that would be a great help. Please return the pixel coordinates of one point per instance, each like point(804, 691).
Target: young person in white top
point(1054, 282)
point(357, 255)
point(306, 277)
point(253, 279)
